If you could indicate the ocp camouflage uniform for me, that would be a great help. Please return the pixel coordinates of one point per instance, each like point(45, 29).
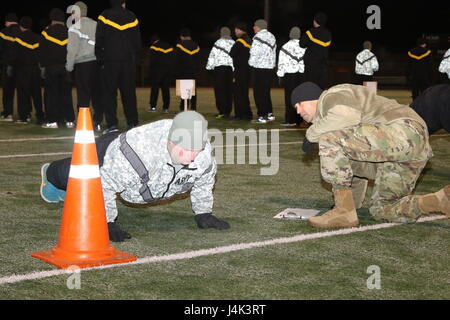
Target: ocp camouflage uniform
point(363, 135)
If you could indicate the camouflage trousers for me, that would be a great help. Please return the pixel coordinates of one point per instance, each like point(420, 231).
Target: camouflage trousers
point(392, 155)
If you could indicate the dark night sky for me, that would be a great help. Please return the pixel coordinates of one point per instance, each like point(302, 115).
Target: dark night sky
point(402, 22)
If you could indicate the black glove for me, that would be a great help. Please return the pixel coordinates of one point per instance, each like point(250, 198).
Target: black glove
point(207, 220)
point(309, 148)
point(9, 71)
point(281, 82)
point(116, 234)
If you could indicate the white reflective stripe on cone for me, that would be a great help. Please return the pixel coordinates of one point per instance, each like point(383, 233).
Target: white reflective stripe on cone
point(84, 136)
point(84, 172)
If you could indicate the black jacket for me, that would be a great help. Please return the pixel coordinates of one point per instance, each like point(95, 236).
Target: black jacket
point(419, 64)
point(318, 42)
point(186, 59)
point(26, 49)
point(433, 105)
point(161, 59)
point(7, 42)
point(118, 37)
point(53, 46)
point(240, 52)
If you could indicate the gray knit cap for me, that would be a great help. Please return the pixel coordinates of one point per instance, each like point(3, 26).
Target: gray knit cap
point(367, 45)
point(225, 32)
point(295, 33)
point(83, 8)
point(189, 130)
point(261, 23)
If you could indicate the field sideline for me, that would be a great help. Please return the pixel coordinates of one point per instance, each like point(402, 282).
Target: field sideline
point(259, 258)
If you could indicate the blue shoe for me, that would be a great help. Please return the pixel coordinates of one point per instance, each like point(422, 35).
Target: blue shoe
point(49, 193)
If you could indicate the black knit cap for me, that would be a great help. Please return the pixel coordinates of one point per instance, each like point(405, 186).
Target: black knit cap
point(185, 32)
point(116, 3)
point(57, 15)
point(11, 17)
point(307, 91)
point(321, 18)
point(26, 22)
point(241, 26)
point(421, 41)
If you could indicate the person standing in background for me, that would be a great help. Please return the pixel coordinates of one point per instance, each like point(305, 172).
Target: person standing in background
point(117, 48)
point(58, 84)
point(221, 63)
point(366, 64)
point(161, 58)
point(26, 60)
point(318, 41)
point(263, 60)
point(240, 53)
point(81, 59)
point(7, 40)
point(419, 68)
point(290, 71)
point(186, 62)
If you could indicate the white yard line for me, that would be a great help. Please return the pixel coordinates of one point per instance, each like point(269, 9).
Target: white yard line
point(69, 153)
point(212, 251)
point(36, 155)
point(223, 146)
point(37, 139)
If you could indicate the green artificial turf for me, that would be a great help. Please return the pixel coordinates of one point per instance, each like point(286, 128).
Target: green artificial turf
point(413, 258)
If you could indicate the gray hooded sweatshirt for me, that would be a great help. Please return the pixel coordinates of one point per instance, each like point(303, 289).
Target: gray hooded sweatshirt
point(81, 46)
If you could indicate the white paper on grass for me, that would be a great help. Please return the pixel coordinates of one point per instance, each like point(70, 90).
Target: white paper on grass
point(297, 213)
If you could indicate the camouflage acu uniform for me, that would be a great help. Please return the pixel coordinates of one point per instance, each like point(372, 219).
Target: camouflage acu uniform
point(150, 143)
point(362, 135)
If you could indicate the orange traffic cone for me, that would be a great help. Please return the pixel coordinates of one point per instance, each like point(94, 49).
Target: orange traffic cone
point(83, 238)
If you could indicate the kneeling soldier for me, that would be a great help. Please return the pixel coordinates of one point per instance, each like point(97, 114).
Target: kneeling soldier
point(364, 136)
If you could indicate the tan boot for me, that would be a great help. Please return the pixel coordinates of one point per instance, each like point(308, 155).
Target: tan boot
point(438, 202)
point(343, 215)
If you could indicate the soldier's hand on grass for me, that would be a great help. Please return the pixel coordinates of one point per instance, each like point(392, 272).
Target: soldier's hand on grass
point(116, 234)
point(207, 220)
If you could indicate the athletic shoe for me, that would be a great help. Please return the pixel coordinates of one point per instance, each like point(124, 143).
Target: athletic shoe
point(111, 129)
point(165, 111)
point(49, 193)
point(261, 120)
point(221, 116)
point(70, 125)
point(97, 128)
point(270, 117)
point(6, 118)
point(21, 121)
point(151, 109)
point(50, 125)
